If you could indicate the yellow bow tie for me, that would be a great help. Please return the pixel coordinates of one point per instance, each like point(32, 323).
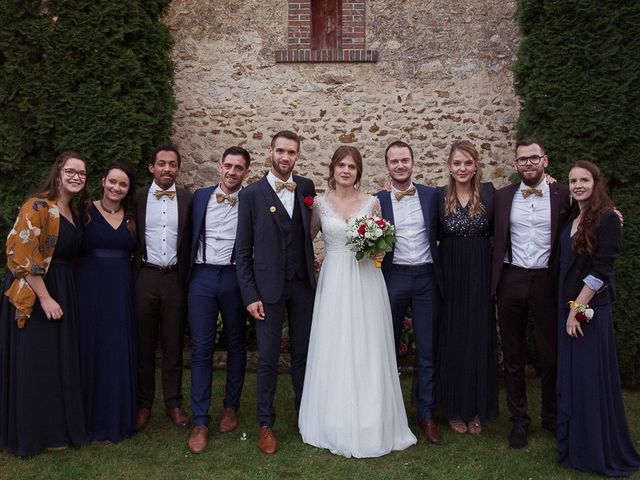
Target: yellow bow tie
point(291, 186)
point(161, 193)
point(526, 192)
point(409, 191)
point(221, 197)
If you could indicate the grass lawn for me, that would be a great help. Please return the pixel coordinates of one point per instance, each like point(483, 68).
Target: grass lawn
point(160, 452)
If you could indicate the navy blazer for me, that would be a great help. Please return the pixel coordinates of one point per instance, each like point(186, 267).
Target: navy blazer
point(503, 199)
point(429, 201)
point(183, 197)
point(600, 264)
point(260, 242)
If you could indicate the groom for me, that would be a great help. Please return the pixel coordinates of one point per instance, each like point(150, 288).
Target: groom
point(274, 264)
point(412, 271)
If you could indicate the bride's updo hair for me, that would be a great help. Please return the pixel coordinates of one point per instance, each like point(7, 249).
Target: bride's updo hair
point(342, 152)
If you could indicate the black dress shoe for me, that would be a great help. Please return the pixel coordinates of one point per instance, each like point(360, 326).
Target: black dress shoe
point(518, 436)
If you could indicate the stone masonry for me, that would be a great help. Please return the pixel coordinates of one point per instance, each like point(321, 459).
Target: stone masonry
point(443, 73)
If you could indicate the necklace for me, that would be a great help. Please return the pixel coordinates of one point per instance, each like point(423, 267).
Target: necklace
point(108, 210)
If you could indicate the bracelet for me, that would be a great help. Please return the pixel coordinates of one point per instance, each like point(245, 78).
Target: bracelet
point(583, 312)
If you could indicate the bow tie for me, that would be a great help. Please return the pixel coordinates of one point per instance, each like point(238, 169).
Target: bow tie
point(526, 192)
point(291, 186)
point(161, 193)
point(221, 197)
point(409, 191)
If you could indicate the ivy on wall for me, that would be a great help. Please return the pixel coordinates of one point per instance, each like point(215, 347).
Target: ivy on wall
point(94, 77)
point(578, 77)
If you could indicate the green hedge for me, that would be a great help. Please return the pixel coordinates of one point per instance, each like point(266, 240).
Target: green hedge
point(578, 77)
point(90, 76)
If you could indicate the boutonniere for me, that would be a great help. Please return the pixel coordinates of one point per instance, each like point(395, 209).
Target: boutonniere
point(308, 201)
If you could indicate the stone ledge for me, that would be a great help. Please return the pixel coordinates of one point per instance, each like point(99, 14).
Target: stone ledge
point(331, 56)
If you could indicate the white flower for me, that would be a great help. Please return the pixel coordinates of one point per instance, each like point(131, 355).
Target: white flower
point(588, 313)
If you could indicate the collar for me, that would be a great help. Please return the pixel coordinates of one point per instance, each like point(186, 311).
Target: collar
point(543, 186)
point(273, 179)
point(154, 186)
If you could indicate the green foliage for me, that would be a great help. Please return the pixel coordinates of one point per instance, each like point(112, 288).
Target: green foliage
point(94, 77)
point(578, 76)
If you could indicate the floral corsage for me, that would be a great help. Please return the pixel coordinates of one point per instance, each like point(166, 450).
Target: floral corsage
point(583, 312)
point(308, 201)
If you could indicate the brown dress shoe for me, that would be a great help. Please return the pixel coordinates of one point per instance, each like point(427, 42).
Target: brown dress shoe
point(198, 439)
point(142, 417)
point(229, 420)
point(267, 440)
point(430, 430)
point(178, 417)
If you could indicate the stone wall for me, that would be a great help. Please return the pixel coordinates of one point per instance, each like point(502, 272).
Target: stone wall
point(444, 73)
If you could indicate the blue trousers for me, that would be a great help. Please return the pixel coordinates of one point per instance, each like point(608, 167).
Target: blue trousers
point(416, 286)
point(214, 289)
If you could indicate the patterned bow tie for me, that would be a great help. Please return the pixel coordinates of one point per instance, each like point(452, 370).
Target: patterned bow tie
point(410, 191)
point(526, 192)
point(161, 193)
point(221, 197)
point(291, 186)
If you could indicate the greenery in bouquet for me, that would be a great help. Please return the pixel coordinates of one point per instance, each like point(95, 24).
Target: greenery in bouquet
point(368, 236)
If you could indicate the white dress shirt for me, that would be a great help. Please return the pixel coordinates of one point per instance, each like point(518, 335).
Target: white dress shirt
point(161, 228)
point(286, 197)
point(530, 224)
point(221, 224)
point(412, 246)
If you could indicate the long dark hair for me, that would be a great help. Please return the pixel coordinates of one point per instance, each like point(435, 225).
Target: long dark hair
point(584, 240)
point(51, 188)
point(127, 201)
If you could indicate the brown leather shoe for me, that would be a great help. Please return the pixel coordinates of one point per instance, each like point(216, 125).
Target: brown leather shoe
point(198, 439)
point(229, 420)
point(178, 417)
point(430, 430)
point(267, 440)
point(142, 417)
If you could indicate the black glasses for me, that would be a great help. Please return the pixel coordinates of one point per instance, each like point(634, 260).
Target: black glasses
point(534, 159)
point(72, 172)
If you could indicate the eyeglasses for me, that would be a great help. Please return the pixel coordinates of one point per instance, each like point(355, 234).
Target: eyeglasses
point(534, 159)
point(72, 172)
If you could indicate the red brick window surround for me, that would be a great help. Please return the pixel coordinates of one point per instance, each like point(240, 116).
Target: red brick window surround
point(326, 31)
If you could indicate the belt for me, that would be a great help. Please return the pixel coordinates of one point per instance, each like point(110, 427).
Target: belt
point(510, 266)
point(158, 268)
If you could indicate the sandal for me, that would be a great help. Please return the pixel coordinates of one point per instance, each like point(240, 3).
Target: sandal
point(458, 426)
point(475, 428)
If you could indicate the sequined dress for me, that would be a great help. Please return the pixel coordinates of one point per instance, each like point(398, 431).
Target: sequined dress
point(467, 377)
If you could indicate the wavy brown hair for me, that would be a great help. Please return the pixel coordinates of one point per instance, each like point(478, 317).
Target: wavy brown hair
point(584, 240)
point(340, 153)
point(451, 195)
point(51, 188)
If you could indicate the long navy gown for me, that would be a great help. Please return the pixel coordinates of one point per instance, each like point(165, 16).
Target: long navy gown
point(40, 396)
point(592, 426)
point(107, 329)
point(467, 367)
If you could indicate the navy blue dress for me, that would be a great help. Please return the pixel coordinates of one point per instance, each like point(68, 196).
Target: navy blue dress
point(40, 396)
point(108, 338)
point(592, 426)
point(467, 371)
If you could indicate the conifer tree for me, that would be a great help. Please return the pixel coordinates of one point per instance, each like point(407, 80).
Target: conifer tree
point(95, 77)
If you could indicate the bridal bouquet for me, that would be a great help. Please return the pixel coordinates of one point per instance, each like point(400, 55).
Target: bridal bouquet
point(369, 236)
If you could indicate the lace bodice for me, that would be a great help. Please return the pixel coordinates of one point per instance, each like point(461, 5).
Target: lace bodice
point(334, 228)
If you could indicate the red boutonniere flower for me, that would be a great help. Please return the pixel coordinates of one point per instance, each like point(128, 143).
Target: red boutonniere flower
point(308, 201)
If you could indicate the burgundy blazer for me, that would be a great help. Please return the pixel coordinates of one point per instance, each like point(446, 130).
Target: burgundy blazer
point(560, 210)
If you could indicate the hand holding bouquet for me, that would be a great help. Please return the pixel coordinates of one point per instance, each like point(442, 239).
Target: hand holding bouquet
point(369, 236)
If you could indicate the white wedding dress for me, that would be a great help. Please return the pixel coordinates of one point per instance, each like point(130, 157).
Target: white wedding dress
point(351, 402)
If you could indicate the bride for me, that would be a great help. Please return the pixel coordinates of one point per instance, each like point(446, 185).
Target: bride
point(351, 401)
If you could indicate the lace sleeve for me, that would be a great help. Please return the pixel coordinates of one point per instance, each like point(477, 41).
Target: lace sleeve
point(376, 209)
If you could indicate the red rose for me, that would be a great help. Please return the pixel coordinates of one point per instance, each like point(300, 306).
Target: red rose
point(308, 201)
point(380, 223)
point(580, 316)
point(361, 229)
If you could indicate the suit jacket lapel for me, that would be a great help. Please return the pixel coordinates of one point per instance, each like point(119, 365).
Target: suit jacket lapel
point(554, 203)
point(142, 218)
point(273, 201)
point(183, 212)
point(386, 206)
point(424, 204)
